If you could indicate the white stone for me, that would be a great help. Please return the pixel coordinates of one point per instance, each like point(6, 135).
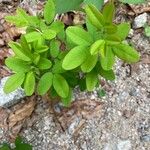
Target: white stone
point(124, 145)
point(140, 20)
point(12, 98)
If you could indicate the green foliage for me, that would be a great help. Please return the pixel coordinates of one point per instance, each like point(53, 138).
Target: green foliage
point(19, 145)
point(52, 59)
point(69, 5)
point(75, 4)
point(49, 11)
point(96, 3)
point(147, 31)
point(101, 93)
point(133, 1)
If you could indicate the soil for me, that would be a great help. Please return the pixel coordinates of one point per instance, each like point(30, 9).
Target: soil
point(120, 120)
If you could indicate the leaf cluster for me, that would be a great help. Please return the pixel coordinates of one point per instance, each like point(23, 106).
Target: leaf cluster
point(51, 59)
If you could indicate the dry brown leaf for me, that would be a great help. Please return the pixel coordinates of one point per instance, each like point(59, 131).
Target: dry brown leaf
point(12, 120)
point(82, 110)
point(139, 9)
point(3, 117)
point(22, 113)
point(146, 59)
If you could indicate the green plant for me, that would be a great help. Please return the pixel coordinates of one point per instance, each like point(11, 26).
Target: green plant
point(133, 1)
point(51, 60)
point(75, 4)
point(147, 30)
point(19, 145)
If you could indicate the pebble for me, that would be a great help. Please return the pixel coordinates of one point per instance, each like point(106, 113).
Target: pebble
point(145, 138)
point(1, 43)
point(124, 145)
point(140, 21)
point(7, 100)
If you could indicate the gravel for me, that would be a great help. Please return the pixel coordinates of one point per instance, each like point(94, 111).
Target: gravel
point(124, 123)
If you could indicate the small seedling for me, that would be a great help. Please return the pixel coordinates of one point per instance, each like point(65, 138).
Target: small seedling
point(41, 66)
point(19, 145)
point(101, 93)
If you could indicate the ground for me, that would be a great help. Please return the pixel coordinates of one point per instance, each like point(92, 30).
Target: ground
point(118, 121)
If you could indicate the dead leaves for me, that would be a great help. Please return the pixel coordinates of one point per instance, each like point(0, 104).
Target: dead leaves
point(74, 118)
point(139, 9)
point(11, 121)
point(7, 33)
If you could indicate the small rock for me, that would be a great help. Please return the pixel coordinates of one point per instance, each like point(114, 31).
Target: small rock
point(148, 96)
point(73, 126)
point(124, 145)
point(134, 91)
point(1, 43)
point(145, 138)
point(110, 146)
point(131, 33)
point(140, 20)
point(7, 100)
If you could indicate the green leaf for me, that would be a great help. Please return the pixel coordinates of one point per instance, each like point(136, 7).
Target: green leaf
point(97, 3)
point(133, 1)
point(112, 40)
point(75, 57)
point(17, 49)
point(97, 47)
point(25, 47)
point(44, 64)
point(69, 5)
point(91, 80)
point(45, 83)
point(89, 63)
point(147, 31)
point(57, 67)
point(108, 60)
point(17, 65)
point(32, 36)
point(126, 53)
point(108, 12)
point(111, 29)
point(57, 26)
point(53, 93)
point(79, 36)
point(91, 29)
point(41, 49)
point(23, 146)
point(48, 34)
point(123, 30)
point(67, 101)
point(14, 82)
point(29, 84)
point(20, 145)
point(101, 93)
point(18, 141)
point(5, 147)
point(94, 16)
point(49, 11)
point(60, 85)
point(36, 58)
point(107, 74)
point(54, 48)
point(20, 20)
